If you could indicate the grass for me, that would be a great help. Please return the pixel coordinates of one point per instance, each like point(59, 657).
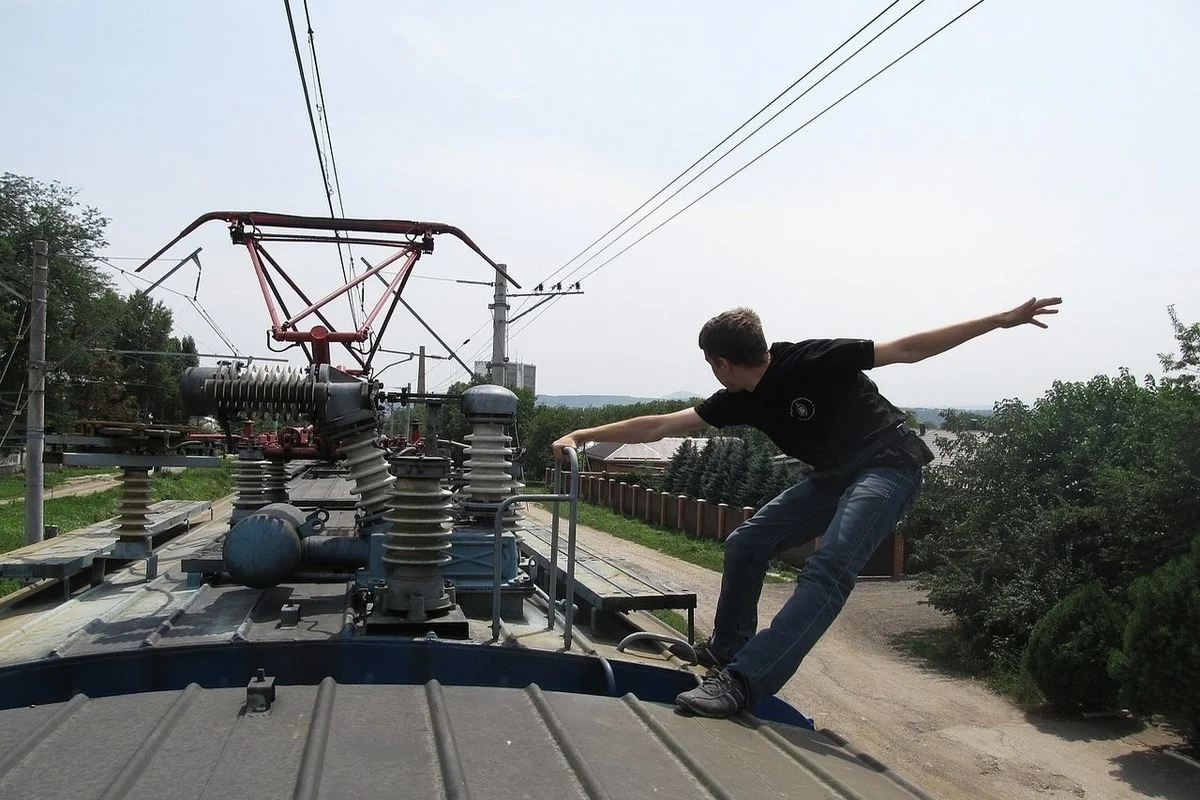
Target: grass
point(944, 648)
point(14, 485)
point(701, 552)
point(675, 620)
point(194, 484)
point(73, 513)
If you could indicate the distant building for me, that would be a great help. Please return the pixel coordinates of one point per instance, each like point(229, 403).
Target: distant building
point(516, 375)
point(616, 458)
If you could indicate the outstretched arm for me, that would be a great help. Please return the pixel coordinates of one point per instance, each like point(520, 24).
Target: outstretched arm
point(919, 346)
point(638, 429)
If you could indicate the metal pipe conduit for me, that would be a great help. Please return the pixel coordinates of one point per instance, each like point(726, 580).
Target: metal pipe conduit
point(572, 497)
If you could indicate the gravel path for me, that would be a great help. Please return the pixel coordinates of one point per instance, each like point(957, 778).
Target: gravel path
point(950, 735)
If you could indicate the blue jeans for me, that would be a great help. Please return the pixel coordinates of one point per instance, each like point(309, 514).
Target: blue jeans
point(851, 525)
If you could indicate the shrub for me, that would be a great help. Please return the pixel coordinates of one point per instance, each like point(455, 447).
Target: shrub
point(1160, 661)
point(1070, 648)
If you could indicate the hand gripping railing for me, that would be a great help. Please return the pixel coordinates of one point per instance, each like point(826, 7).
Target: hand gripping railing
point(572, 498)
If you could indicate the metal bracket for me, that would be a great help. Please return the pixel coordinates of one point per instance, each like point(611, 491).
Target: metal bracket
point(260, 693)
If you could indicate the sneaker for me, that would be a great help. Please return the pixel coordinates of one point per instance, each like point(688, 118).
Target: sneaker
point(721, 695)
point(706, 656)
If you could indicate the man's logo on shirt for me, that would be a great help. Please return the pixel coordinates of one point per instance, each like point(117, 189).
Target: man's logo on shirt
point(803, 409)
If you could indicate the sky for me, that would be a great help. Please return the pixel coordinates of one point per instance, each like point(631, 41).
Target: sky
point(1031, 149)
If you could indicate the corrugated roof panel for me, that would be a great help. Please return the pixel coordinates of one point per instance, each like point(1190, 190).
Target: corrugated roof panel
point(347, 741)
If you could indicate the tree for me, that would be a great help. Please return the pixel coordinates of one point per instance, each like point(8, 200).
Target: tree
point(1187, 337)
point(679, 461)
point(753, 489)
point(1160, 659)
point(1070, 649)
point(87, 319)
point(698, 469)
point(1097, 481)
point(713, 476)
point(780, 478)
point(32, 210)
point(545, 424)
point(733, 472)
point(957, 420)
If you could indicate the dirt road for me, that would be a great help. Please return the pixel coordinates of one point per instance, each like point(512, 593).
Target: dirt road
point(950, 735)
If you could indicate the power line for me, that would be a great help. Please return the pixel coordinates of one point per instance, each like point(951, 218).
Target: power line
point(323, 112)
point(50, 369)
point(744, 139)
point(812, 119)
point(385, 273)
point(312, 122)
point(203, 312)
point(714, 148)
point(22, 330)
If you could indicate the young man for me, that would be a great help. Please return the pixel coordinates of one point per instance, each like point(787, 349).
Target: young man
point(814, 402)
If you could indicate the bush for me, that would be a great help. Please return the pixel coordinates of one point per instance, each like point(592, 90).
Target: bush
point(1160, 662)
point(1070, 648)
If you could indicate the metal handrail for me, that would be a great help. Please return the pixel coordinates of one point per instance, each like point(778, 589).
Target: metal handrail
point(657, 637)
point(572, 498)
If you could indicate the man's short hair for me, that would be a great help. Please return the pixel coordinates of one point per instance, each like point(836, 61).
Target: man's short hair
point(735, 335)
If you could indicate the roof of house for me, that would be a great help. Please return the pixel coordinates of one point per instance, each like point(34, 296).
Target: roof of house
point(662, 450)
point(930, 438)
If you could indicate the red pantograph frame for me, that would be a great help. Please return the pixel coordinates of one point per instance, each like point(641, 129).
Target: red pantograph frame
point(247, 228)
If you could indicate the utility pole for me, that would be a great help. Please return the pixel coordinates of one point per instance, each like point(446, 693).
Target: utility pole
point(499, 309)
point(421, 370)
point(420, 389)
point(35, 425)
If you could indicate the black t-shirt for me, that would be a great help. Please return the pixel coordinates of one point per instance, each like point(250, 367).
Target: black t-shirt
point(816, 405)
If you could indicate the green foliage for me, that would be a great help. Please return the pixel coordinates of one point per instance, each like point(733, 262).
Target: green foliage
point(712, 477)
point(14, 485)
point(68, 513)
point(956, 420)
point(194, 484)
point(1160, 661)
point(1096, 482)
point(1070, 647)
point(87, 379)
point(646, 478)
point(454, 427)
point(685, 454)
point(753, 486)
point(701, 470)
point(548, 423)
point(702, 552)
point(736, 461)
point(1187, 361)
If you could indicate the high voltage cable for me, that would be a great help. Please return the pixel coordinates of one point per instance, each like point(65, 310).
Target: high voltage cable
point(312, 122)
point(199, 307)
point(323, 110)
point(714, 148)
point(812, 119)
point(746, 138)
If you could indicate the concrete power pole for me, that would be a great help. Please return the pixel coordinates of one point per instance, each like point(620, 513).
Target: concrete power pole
point(421, 370)
point(499, 309)
point(35, 425)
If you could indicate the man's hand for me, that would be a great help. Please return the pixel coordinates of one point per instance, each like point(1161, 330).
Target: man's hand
point(566, 441)
point(1029, 311)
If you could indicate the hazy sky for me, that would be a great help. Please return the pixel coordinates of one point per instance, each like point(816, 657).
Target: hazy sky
point(1032, 148)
